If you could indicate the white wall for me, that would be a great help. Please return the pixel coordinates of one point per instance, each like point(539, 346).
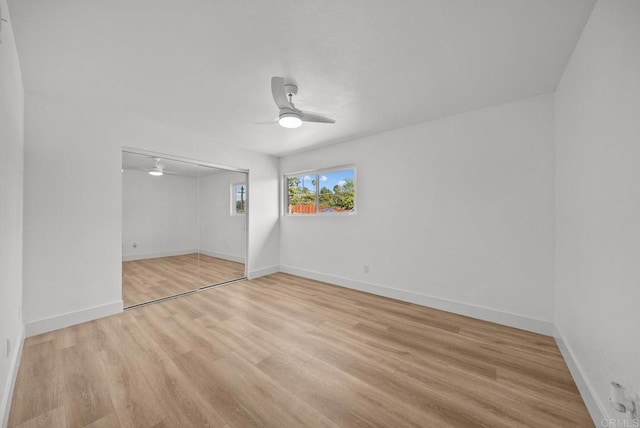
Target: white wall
point(73, 226)
point(175, 214)
point(159, 215)
point(221, 234)
point(11, 195)
point(456, 213)
point(598, 202)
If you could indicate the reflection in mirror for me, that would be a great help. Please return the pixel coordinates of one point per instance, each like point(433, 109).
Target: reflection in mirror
point(174, 236)
point(222, 231)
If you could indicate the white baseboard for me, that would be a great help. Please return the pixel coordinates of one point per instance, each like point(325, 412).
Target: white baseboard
point(72, 318)
point(132, 257)
point(223, 256)
point(473, 311)
point(5, 405)
point(263, 272)
point(596, 410)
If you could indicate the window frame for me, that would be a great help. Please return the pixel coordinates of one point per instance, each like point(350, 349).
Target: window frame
point(233, 207)
point(317, 173)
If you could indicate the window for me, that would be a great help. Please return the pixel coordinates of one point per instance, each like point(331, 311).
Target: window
point(238, 198)
point(328, 191)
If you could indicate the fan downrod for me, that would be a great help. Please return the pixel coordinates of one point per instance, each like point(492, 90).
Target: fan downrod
point(290, 89)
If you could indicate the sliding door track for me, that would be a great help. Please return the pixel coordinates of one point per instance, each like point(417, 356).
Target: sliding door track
point(185, 293)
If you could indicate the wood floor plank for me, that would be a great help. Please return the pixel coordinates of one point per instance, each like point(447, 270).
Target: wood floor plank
point(43, 362)
point(346, 401)
point(262, 399)
point(49, 419)
point(132, 397)
point(86, 396)
point(283, 351)
point(149, 279)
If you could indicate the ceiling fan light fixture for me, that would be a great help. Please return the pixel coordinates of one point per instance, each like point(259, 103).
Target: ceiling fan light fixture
point(290, 120)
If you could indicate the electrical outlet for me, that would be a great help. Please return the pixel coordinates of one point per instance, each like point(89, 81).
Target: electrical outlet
point(366, 268)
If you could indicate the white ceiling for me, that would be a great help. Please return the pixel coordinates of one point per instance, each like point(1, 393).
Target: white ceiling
point(373, 65)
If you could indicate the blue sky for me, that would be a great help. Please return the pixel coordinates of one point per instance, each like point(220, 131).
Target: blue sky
point(327, 179)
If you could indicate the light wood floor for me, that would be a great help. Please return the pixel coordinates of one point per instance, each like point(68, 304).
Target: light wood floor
point(150, 279)
point(282, 351)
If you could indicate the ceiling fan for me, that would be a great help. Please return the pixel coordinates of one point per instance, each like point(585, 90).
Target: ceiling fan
point(290, 116)
point(157, 170)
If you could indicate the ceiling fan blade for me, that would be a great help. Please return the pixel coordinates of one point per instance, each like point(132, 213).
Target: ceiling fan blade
point(279, 94)
point(314, 117)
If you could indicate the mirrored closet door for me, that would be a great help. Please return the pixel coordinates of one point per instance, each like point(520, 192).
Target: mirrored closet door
point(183, 226)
